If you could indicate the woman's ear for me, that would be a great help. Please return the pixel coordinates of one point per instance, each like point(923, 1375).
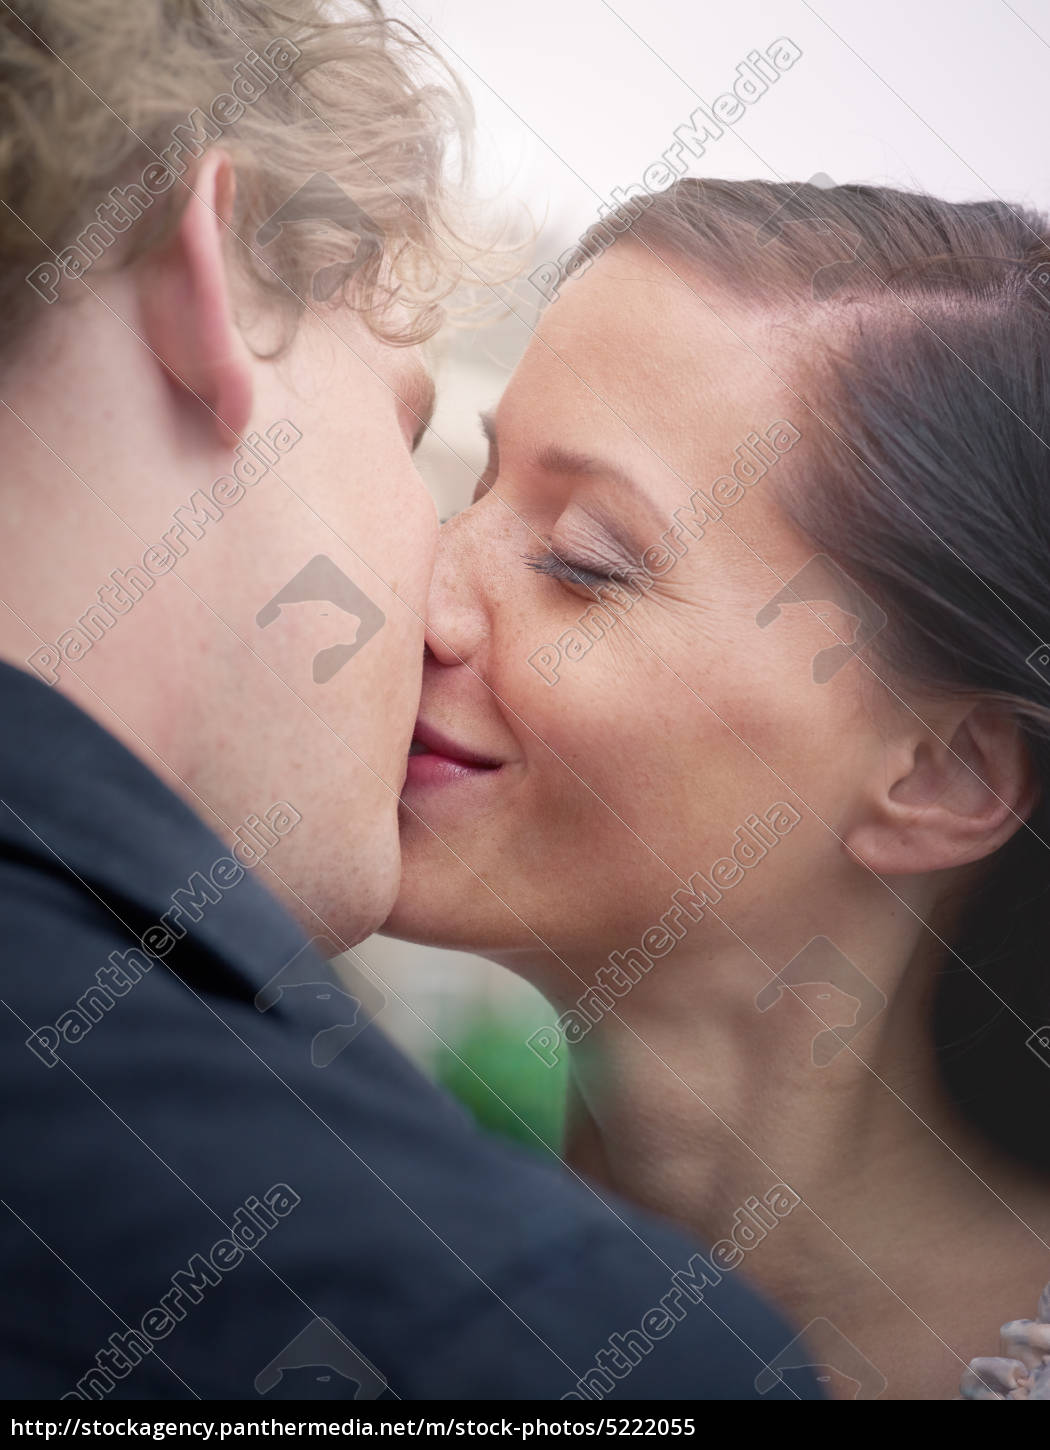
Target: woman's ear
point(187, 305)
point(956, 792)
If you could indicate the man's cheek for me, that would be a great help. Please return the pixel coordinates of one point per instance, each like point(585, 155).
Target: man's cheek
point(413, 548)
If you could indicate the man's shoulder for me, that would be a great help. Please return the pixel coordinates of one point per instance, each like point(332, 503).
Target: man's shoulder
point(216, 1161)
point(77, 804)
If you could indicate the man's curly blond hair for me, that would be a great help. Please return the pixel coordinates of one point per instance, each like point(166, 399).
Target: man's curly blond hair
point(106, 106)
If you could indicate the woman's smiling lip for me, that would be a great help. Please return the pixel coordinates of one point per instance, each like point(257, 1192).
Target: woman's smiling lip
point(435, 759)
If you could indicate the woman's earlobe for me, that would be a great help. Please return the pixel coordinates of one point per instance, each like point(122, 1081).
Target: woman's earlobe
point(961, 793)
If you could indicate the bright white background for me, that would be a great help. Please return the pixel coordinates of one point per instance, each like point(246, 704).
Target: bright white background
point(578, 96)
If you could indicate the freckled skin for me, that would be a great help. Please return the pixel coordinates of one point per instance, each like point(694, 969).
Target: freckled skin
point(310, 627)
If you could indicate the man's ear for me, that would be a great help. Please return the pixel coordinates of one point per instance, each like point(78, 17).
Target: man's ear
point(187, 306)
point(956, 791)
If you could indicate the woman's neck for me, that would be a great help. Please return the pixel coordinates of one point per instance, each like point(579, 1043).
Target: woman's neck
point(889, 1221)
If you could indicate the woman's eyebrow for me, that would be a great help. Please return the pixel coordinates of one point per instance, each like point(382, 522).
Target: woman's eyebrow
point(575, 463)
point(554, 458)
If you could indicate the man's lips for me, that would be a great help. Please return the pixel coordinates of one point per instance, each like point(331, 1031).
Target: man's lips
point(435, 758)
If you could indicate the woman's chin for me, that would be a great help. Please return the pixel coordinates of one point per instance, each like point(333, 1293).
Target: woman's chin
point(428, 912)
point(424, 918)
point(406, 925)
point(438, 900)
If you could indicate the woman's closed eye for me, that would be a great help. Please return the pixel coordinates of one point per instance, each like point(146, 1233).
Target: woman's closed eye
point(575, 571)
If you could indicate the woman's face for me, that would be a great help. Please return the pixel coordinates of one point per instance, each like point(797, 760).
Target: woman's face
point(627, 744)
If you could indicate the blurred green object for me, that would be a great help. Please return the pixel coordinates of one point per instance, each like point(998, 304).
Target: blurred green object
point(503, 1083)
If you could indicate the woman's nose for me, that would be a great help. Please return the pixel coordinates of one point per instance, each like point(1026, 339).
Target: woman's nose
point(456, 616)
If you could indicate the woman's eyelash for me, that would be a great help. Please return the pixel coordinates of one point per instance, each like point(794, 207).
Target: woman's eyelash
point(555, 567)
